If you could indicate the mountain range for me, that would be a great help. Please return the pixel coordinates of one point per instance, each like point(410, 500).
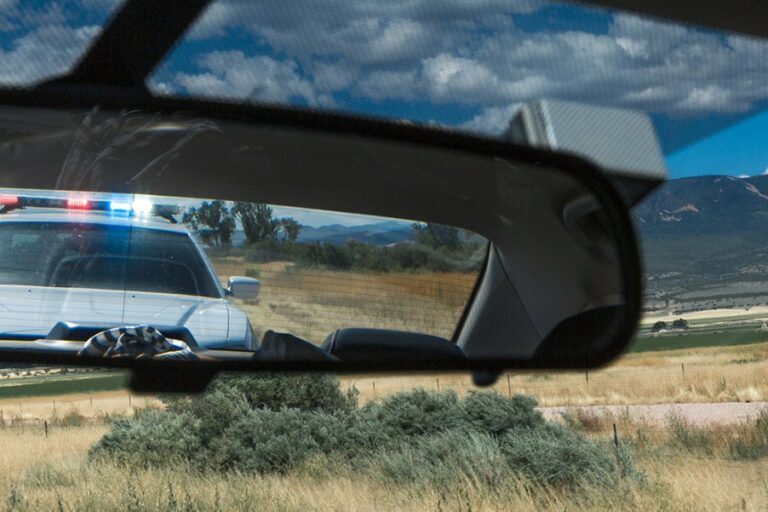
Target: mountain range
point(705, 242)
point(379, 233)
point(706, 204)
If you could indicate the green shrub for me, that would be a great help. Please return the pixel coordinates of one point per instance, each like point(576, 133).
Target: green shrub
point(272, 423)
point(307, 392)
point(406, 415)
point(359, 256)
point(276, 441)
point(495, 414)
point(155, 438)
point(443, 460)
point(214, 411)
point(554, 455)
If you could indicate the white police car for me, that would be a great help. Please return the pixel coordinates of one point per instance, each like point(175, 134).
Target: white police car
point(107, 264)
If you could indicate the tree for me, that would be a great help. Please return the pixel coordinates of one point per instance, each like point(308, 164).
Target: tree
point(680, 323)
point(659, 326)
point(257, 221)
point(289, 229)
point(213, 222)
point(436, 235)
point(259, 224)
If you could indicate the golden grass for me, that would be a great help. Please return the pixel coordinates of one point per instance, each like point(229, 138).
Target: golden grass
point(712, 374)
point(312, 303)
point(92, 406)
point(38, 473)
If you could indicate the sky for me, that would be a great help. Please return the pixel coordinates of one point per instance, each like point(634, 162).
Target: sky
point(467, 64)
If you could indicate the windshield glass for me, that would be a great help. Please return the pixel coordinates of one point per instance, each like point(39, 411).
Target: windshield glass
point(90, 255)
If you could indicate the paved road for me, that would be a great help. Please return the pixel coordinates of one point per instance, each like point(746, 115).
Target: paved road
point(697, 414)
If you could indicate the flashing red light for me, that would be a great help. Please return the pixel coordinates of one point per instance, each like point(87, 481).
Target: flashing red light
point(77, 202)
point(7, 200)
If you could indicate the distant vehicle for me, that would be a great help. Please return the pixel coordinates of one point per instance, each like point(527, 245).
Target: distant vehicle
point(106, 264)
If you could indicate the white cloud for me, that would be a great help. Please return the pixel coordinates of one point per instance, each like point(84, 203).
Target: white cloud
point(471, 53)
point(492, 120)
point(43, 52)
point(232, 74)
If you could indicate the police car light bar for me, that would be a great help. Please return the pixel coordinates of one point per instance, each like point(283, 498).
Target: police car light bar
point(139, 206)
point(78, 203)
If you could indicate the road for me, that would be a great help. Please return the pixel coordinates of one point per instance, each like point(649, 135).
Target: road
point(696, 413)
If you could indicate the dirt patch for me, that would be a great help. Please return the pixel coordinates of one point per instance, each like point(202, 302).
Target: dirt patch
point(700, 414)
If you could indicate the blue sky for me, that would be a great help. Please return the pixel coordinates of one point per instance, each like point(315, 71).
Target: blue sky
point(462, 63)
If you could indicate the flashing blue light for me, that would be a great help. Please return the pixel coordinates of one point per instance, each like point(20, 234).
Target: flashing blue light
point(120, 206)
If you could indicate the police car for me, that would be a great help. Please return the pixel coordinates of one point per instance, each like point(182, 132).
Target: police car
point(98, 264)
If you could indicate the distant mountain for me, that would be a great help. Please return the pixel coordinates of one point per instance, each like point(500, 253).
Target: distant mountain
point(706, 204)
point(705, 243)
point(380, 233)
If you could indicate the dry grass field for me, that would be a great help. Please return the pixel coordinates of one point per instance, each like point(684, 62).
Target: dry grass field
point(312, 303)
point(685, 469)
point(711, 374)
point(53, 473)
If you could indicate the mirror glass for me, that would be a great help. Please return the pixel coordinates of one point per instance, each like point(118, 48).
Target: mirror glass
point(133, 234)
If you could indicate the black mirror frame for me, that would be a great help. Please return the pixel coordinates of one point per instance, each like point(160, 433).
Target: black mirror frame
point(583, 171)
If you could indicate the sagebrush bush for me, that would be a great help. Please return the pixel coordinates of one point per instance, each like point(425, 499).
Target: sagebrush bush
point(442, 460)
point(275, 441)
point(555, 455)
point(154, 438)
point(496, 414)
point(269, 424)
point(293, 391)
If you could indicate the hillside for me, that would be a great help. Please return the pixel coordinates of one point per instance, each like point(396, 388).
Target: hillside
point(705, 244)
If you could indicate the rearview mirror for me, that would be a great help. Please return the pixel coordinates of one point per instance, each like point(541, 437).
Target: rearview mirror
point(502, 256)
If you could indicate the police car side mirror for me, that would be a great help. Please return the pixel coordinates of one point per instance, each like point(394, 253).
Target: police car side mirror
point(244, 288)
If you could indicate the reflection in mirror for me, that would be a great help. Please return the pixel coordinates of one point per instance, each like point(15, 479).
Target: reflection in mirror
point(321, 247)
point(226, 271)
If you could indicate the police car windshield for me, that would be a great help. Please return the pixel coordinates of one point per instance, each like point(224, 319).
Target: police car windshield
point(110, 257)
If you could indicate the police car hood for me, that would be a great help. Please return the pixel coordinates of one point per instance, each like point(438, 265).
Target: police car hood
point(29, 312)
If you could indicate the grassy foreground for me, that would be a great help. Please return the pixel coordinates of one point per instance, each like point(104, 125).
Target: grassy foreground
point(681, 468)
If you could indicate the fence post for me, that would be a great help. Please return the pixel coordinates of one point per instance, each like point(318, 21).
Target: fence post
point(616, 445)
point(374, 390)
point(45, 424)
point(682, 367)
point(509, 387)
point(54, 406)
point(587, 375)
point(91, 401)
point(437, 379)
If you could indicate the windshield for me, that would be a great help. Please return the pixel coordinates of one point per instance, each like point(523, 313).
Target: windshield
point(89, 255)
point(678, 422)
